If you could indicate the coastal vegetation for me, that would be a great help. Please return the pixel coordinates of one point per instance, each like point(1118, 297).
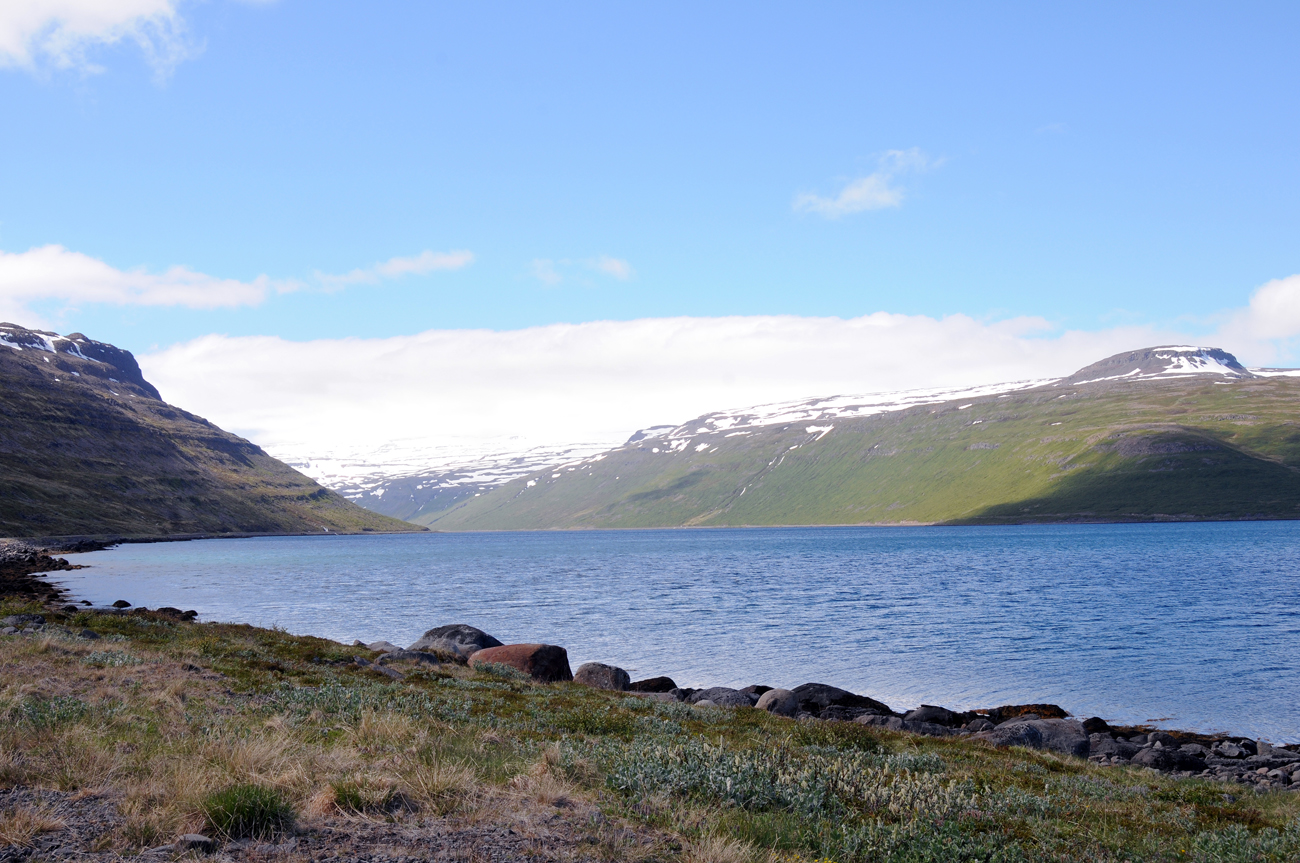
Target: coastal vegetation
point(126, 732)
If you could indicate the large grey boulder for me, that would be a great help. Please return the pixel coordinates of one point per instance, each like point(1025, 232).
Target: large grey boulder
point(819, 699)
point(652, 684)
point(723, 696)
point(1058, 735)
point(1165, 759)
point(931, 713)
point(894, 723)
point(602, 676)
point(458, 639)
point(782, 702)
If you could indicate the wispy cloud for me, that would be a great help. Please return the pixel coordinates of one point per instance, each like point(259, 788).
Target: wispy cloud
point(544, 271)
point(53, 273)
point(551, 272)
point(876, 191)
point(62, 33)
point(615, 267)
point(419, 265)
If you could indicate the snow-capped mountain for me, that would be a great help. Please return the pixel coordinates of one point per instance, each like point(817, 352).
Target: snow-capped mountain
point(1166, 361)
point(412, 477)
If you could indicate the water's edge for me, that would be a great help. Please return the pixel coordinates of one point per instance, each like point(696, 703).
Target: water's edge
point(638, 596)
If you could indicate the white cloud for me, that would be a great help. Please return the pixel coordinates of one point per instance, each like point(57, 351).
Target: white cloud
point(544, 271)
point(1269, 323)
point(422, 264)
point(615, 267)
point(548, 271)
point(63, 32)
point(53, 273)
point(594, 381)
point(875, 191)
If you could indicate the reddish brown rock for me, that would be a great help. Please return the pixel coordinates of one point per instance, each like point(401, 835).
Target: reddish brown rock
point(543, 662)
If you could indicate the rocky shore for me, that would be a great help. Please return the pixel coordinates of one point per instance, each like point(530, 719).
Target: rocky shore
point(1222, 758)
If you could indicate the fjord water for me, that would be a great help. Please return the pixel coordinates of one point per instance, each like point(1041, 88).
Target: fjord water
point(1188, 625)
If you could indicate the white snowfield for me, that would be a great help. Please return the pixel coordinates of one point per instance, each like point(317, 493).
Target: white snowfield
point(359, 472)
point(820, 412)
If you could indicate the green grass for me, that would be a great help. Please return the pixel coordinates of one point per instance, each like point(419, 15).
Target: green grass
point(239, 729)
point(248, 811)
point(1176, 449)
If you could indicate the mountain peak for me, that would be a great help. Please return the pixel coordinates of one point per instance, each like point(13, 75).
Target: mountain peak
point(77, 354)
point(1163, 361)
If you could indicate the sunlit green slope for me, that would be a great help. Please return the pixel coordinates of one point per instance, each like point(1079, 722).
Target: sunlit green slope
point(1194, 448)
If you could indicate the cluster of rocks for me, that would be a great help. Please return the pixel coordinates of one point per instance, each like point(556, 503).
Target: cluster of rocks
point(31, 624)
point(1225, 759)
point(1037, 726)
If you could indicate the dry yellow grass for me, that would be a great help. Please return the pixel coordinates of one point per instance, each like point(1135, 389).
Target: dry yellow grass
point(22, 824)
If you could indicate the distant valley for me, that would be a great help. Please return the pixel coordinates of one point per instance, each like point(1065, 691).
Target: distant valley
point(1171, 433)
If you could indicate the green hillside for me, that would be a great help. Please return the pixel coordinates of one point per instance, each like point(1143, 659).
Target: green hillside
point(88, 447)
point(1192, 448)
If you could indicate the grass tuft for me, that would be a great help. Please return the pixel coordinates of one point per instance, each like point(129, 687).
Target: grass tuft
point(247, 811)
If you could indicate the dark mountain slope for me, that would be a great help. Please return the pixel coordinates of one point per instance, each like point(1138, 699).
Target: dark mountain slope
point(1152, 446)
point(87, 447)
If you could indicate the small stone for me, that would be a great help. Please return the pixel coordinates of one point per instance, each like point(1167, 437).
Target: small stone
point(88, 634)
point(1095, 725)
point(195, 842)
point(122, 603)
point(756, 690)
point(978, 724)
point(23, 620)
point(382, 647)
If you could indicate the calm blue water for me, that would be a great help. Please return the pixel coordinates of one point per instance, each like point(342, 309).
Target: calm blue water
point(1190, 625)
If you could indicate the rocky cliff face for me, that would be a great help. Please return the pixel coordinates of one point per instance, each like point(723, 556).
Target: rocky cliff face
point(88, 447)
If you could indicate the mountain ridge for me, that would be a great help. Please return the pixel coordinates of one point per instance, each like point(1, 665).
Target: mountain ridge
point(88, 448)
point(1119, 448)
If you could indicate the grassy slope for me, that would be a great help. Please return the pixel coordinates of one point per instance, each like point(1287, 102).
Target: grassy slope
point(81, 456)
point(1178, 448)
point(157, 715)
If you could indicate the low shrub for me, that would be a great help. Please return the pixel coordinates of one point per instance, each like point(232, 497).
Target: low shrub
point(506, 672)
point(247, 811)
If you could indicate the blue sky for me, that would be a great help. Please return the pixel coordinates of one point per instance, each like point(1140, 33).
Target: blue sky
point(1092, 165)
point(213, 168)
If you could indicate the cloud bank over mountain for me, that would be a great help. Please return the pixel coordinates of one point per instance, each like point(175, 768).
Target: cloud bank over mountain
point(593, 380)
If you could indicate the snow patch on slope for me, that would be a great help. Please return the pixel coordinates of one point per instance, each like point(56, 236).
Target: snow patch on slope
point(819, 412)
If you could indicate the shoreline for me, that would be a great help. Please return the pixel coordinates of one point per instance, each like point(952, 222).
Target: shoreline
point(24, 579)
